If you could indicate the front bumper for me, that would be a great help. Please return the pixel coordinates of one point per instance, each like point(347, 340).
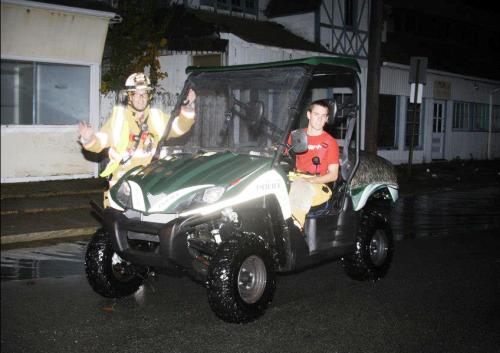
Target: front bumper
point(168, 241)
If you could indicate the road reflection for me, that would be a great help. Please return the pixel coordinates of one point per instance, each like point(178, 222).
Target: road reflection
point(59, 260)
point(437, 214)
point(446, 213)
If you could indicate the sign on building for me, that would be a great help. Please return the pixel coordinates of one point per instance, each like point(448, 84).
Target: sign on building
point(442, 90)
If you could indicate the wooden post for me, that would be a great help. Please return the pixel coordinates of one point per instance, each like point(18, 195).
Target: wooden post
point(414, 120)
point(373, 77)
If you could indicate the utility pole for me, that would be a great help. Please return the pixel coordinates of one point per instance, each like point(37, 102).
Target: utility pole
point(373, 78)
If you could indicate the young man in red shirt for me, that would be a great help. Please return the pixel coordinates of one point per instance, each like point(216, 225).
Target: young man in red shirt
point(322, 145)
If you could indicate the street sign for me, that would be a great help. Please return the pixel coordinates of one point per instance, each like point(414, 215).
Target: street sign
point(419, 93)
point(418, 69)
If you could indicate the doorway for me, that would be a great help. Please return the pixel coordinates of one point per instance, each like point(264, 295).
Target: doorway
point(438, 129)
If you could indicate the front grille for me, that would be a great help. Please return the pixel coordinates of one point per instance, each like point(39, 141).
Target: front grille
point(143, 236)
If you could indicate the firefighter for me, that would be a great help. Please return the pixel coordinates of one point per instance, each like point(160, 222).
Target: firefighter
point(132, 132)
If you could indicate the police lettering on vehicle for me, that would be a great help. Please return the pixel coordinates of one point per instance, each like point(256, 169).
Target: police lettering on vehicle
point(268, 186)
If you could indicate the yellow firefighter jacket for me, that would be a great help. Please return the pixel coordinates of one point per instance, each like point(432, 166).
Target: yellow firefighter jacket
point(121, 131)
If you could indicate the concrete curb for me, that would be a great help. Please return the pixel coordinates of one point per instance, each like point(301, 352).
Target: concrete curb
point(54, 234)
point(10, 195)
point(40, 210)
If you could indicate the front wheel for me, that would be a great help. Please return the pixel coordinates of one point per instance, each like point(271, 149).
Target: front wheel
point(374, 248)
point(108, 274)
point(241, 280)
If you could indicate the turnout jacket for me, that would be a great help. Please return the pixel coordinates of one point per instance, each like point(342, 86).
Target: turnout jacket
point(122, 130)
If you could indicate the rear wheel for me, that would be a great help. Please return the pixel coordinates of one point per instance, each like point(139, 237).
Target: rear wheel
point(108, 274)
point(241, 280)
point(374, 248)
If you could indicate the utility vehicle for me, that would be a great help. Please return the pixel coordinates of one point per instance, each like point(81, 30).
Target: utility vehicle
point(214, 204)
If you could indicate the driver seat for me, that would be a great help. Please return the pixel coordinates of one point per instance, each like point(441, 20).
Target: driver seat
point(339, 187)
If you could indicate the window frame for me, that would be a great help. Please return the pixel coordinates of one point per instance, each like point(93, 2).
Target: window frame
point(462, 122)
point(93, 70)
point(464, 119)
point(480, 116)
point(495, 118)
point(227, 5)
point(350, 10)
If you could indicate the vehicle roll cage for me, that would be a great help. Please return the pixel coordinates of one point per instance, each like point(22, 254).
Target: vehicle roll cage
point(314, 67)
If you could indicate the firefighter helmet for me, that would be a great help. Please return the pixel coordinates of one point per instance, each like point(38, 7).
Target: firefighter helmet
point(137, 81)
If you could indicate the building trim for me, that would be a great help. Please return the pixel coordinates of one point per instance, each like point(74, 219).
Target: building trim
point(46, 178)
point(53, 60)
point(441, 73)
point(62, 8)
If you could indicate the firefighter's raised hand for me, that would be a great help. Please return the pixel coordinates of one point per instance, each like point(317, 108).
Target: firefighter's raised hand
point(191, 96)
point(187, 108)
point(86, 132)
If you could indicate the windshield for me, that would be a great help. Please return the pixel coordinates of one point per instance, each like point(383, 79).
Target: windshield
point(245, 111)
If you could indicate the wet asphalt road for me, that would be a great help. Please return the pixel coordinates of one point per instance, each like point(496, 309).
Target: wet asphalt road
point(442, 294)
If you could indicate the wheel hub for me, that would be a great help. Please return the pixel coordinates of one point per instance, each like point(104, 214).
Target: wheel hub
point(121, 269)
point(252, 279)
point(378, 248)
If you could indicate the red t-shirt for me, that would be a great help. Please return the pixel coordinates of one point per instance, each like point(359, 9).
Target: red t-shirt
point(323, 146)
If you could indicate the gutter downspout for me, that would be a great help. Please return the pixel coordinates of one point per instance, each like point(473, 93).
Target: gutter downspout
point(490, 122)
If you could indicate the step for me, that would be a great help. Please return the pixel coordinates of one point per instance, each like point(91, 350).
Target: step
point(69, 222)
point(30, 204)
point(53, 188)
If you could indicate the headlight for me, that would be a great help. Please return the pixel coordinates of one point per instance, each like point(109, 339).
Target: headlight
point(124, 195)
point(213, 194)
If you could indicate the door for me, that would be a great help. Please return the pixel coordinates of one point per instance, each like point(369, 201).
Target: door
point(438, 124)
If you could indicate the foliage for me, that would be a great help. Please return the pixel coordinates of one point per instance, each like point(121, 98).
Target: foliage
point(134, 44)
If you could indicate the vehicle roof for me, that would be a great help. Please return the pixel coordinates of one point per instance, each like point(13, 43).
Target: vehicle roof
point(323, 61)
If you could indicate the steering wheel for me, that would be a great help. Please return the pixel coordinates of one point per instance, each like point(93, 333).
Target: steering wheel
point(252, 112)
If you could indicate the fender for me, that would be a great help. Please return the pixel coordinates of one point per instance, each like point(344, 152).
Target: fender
point(361, 195)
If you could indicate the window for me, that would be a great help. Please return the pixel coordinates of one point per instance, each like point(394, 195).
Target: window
point(495, 122)
point(339, 128)
point(480, 116)
point(470, 116)
point(460, 116)
point(386, 137)
point(411, 128)
point(44, 94)
point(349, 16)
point(246, 6)
point(207, 60)
point(222, 4)
point(17, 93)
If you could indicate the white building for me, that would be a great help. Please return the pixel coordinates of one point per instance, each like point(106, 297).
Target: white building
point(459, 116)
point(51, 57)
point(460, 113)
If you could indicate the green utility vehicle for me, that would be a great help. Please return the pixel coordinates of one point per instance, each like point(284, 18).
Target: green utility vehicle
point(214, 203)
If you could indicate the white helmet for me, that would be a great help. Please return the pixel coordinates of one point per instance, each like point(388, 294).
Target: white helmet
point(137, 81)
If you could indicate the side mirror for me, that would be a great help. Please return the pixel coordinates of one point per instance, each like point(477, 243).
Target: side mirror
point(299, 141)
point(333, 111)
point(256, 110)
point(254, 114)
